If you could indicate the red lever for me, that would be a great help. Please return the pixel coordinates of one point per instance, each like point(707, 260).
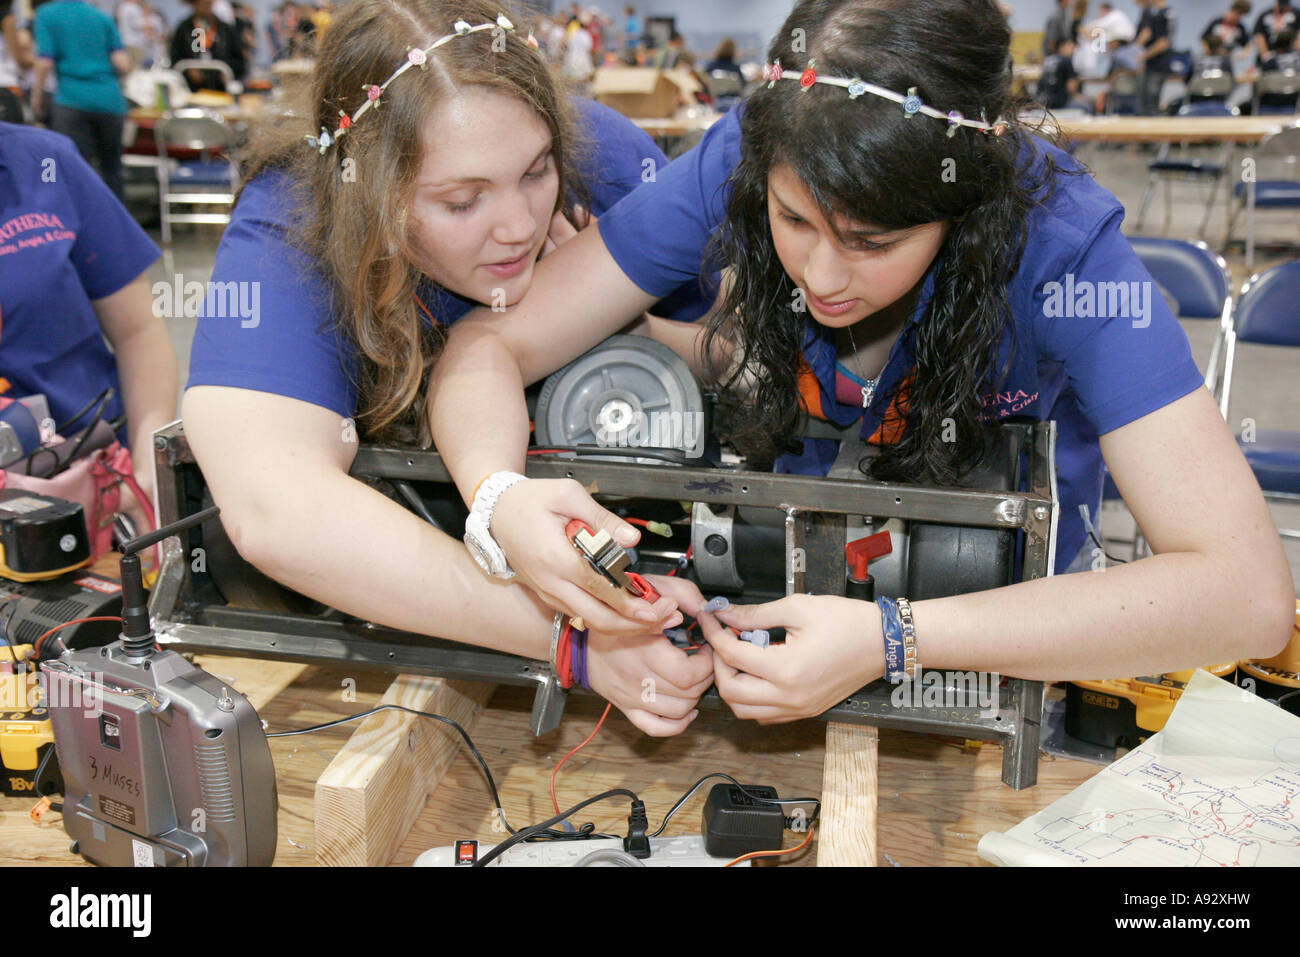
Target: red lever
point(860, 553)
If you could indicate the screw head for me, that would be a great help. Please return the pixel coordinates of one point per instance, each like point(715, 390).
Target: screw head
point(1040, 513)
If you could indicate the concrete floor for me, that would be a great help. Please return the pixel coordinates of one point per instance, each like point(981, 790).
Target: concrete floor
point(1264, 388)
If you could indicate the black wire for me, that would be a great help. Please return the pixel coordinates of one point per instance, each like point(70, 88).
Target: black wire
point(677, 458)
point(748, 793)
point(537, 829)
point(584, 832)
point(36, 779)
point(1109, 557)
point(104, 396)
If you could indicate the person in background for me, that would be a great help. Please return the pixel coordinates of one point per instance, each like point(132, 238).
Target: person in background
point(1230, 28)
point(1078, 14)
point(78, 310)
point(578, 62)
point(1215, 59)
point(1268, 28)
point(246, 30)
point(155, 32)
point(669, 56)
point(81, 46)
point(1057, 28)
point(631, 32)
point(1111, 25)
point(130, 18)
point(1155, 33)
point(15, 57)
point(724, 58)
point(1058, 87)
point(1286, 56)
point(204, 36)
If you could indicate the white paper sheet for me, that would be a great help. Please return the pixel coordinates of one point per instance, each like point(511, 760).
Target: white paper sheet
point(1218, 786)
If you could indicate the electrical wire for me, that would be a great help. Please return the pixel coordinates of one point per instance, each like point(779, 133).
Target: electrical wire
point(36, 645)
point(1109, 556)
point(556, 770)
point(586, 831)
point(743, 790)
point(537, 829)
point(36, 779)
point(777, 853)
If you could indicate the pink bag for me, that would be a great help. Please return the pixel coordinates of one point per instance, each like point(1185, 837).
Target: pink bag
point(95, 482)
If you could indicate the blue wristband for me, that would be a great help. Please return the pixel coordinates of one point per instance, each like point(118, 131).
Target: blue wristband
point(892, 626)
point(578, 659)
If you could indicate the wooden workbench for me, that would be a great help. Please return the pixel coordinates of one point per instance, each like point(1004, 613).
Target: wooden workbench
point(935, 799)
point(1172, 129)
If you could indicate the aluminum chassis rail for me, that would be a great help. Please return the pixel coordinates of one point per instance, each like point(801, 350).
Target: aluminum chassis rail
point(187, 625)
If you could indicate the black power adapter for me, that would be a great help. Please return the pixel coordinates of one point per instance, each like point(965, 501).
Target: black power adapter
point(735, 823)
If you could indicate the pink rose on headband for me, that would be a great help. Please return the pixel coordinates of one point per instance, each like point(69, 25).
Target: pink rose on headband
point(372, 92)
point(416, 56)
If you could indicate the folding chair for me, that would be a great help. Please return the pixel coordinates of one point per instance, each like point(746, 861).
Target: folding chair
point(1280, 150)
point(1280, 83)
point(1266, 314)
point(211, 65)
point(210, 180)
point(1168, 167)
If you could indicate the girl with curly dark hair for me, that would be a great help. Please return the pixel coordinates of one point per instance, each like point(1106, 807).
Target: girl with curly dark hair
point(908, 260)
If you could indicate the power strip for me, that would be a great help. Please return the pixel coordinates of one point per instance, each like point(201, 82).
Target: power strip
point(664, 852)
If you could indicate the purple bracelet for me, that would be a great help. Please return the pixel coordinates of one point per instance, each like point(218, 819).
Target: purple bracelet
point(578, 659)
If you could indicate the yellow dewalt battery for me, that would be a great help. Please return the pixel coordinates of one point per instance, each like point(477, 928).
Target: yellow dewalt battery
point(18, 676)
point(24, 736)
point(1124, 712)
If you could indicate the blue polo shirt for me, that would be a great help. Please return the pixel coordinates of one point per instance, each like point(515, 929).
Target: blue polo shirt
point(1085, 359)
point(295, 348)
point(65, 241)
point(79, 39)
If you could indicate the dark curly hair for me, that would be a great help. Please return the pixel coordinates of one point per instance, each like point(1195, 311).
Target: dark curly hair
point(864, 160)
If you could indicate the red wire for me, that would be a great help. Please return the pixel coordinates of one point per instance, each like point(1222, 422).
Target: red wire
point(554, 802)
point(36, 645)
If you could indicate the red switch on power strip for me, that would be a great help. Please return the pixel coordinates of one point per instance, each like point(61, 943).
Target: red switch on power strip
point(860, 553)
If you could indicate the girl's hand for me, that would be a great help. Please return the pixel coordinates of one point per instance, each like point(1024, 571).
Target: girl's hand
point(833, 646)
point(562, 230)
point(529, 524)
point(645, 677)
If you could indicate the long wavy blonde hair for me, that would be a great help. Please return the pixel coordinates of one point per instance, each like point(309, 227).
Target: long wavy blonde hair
point(352, 204)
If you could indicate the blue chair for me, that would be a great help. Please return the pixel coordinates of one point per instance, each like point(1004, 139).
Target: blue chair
point(1168, 166)
point(1199, 282)
point(1283, 149)
point(1267, 314)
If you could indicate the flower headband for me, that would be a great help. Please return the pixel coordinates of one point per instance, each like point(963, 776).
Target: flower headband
point(415, 56)
point(911, 102)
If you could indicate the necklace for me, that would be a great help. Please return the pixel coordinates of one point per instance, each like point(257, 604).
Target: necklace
point(869, 385)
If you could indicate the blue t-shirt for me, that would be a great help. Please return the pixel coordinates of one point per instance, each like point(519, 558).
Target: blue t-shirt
point(79, 39)
point(65, 241)
point(295, 349)
point(1091, 372)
